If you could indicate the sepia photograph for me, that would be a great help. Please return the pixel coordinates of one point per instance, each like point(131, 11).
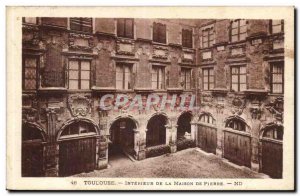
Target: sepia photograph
point(129, 97)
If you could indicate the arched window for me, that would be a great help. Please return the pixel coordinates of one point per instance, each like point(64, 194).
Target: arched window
point(236, 124)
point(207, 118)
point(31, 134)
point(78, 128)
point(274, 132)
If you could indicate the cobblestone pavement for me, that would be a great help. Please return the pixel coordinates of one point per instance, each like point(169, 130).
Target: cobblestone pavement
point(190, 163)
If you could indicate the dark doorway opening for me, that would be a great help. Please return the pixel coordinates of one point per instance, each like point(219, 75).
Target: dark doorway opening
point(156, 131)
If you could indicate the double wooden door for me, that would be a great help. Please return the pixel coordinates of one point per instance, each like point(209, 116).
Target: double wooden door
point(207, 138)
point(77, 156)
point(237, 148)
point(272, 158)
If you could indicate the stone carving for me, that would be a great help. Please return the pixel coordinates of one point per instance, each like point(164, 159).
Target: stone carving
point(79, 105)
point(143, 49)
point(238, 105)
point(125, 47)
point(175, 53)
point(104, 45)
point(207, 99)
point(275, 107)
point(160, 52)
point(29, 114)
point(256, 110)
point(81, 42)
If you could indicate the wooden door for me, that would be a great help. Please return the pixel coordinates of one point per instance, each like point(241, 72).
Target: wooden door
point(272, 158)
point(32, 159)
point(237, 148)
point(207, 138)
point(77, 156)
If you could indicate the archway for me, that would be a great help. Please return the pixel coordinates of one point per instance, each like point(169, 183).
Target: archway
point(184, 125)
point(77, 148)
point(32, 150)
point(156, 130)
point(121, 138)
point(272, 153)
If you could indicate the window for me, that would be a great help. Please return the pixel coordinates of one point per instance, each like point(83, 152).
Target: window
point(31, 20)
point(29, 73)
point(208, 37)
point(238, 30)
point(159, 33)
point(208, 79)
point(238, 78)
point(79, 74)
point(274, 132)
point(81, 24)
point(123, 76)
point(158, 77)
point(78, 128)
point(186, 78)
point(125, 28)
point(277, 77)
point(236, 124)
point(207, 118)
point(187, 38)
point(276, 26)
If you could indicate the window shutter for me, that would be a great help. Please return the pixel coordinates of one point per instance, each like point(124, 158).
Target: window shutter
point(120, 27)
point(270, 26)
point(163, 33)
point(155, 32)
point(129, 28)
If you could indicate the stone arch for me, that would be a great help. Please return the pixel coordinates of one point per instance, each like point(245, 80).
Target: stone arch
point(237, 118)
point(202, 114)
point(124, 117)
point(183, 123)
point(269, 126)
point(160, 113)
point(37, 127)
point(75, 120)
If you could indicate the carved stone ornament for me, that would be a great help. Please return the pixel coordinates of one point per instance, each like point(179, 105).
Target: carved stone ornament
point(79, 105)
point(275, 107)
point(207, 99)
point(104, 45)
point(81, 42)
point(143, 49)
point(29, 114)
point(160, 52)
point(125, 47)
point(238, 105)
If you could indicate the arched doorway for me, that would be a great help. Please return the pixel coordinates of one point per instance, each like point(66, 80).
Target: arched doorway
point(77, 148)
point(122, 138)
point(184, 140)
point(156, 130)
point(272, 136)
point(184, 125)
point(32, 151)
point(237, 141)
point(207, 133)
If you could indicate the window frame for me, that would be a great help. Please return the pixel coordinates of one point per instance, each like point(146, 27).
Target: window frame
point(239, 76)
point(81, 24)
point(187, 38)
point(79, 74)
point(272, 25)
point(159, 38)
point(238, 30)
point(242, 126)
point(209, 69)
point(123, 65)
point(36, 71)
point(207, 33)
point(281, 64)
point(124, 35)
point(186, 70)
point(158, 68)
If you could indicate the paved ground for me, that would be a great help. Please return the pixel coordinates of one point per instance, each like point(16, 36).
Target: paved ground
point(188, 163)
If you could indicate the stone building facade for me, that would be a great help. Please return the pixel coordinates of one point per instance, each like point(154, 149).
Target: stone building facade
point(233, 69)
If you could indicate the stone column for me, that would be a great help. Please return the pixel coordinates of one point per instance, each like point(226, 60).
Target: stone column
point(220, 132)
point(255, 145)
point(51, 149)
point(102, 152)
point(140, 144)
point(193, 131)
point(172, 130)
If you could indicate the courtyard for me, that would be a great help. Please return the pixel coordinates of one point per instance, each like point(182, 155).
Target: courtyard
point(189, 163)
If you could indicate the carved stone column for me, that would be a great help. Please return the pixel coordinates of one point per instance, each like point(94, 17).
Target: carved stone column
point(255, 145)
point(140, 144)
point(51, 149)
point(172, 130)
point(102, 152)
point(193, 131)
